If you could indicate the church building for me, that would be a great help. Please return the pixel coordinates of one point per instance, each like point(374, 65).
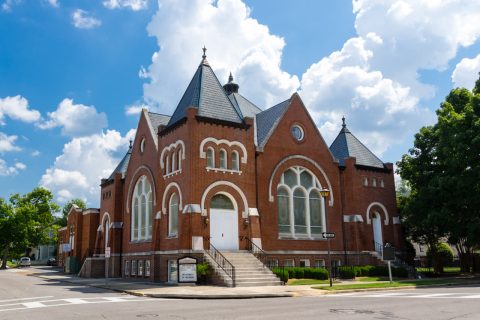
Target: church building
point(222, 175)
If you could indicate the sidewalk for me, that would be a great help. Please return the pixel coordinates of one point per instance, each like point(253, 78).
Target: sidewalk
point(158, 290)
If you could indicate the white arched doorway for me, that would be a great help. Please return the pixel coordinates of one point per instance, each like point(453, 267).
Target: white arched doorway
point(377, 231)
point(224, 222)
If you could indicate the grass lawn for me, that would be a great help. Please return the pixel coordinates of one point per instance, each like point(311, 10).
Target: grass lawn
point(394, 284)
point(299, 282)
point(445, 270)
point(370, 279)
point(10, 264)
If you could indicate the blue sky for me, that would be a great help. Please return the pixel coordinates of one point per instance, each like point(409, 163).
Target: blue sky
point(73, 74)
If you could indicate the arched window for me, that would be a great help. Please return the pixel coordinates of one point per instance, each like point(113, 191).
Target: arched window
point(167, 164)
point(179, 157)
point(141, 227)
point(173, 162)
point(210, 158)
point(106, 231)
point(223, 159)
point(173, 216)
point(235, 165)
point(221, 201)
point(301, 212)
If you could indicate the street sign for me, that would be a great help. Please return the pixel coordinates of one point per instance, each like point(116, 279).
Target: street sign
point(107, 252)
point(328, 235)
point(388, 253)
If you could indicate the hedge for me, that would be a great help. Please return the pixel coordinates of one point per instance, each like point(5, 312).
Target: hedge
point(300, 273)
point(379, 271)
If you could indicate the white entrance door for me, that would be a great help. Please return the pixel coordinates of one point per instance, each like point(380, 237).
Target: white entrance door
point(224, 229)
point(377, 229)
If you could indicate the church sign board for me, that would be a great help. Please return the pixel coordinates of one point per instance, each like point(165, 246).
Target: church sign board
point(187, 270)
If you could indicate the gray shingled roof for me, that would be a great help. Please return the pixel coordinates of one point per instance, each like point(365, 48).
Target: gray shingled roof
point(207, 94)
point(157, 119)
point(123, 165)
point(347, 145)
point(247, 108)
point(267, 121)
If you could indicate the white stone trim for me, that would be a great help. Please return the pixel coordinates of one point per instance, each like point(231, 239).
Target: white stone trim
point(253, 212)
point(225, 183)
point(172, 184)
point(227, 142)
point(152, 130)
point(192, 208)
point(152, 180)
point(270, 195)
point(352, 218)
point(239, 172)
point(170, 147)
point(369, 221)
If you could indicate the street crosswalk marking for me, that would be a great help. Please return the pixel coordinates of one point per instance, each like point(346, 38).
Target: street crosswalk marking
point(420, 295)
point(21, 304)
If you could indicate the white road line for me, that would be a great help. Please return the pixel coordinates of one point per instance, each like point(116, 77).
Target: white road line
point(22, 299)
point(434, 295)
point(75, 301)
point(473, 296)
point(30, 305)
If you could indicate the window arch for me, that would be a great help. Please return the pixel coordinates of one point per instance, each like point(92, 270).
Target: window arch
point(141, 227)
point(106, 230)
point(223, 159)
point(301, 209)
point(173, 216)
point(210, 158)
point(235, 163)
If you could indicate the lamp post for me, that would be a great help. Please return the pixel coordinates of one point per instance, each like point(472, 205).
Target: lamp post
point(325, 193)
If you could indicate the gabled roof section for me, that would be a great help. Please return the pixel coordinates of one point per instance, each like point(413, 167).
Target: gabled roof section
point(207, 95)
point(246, 107)
point(123, 165)
point(347, 145)
point(267, 121)
point(157, 119)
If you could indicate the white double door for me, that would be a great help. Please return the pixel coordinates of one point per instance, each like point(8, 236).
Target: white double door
point(224, 229)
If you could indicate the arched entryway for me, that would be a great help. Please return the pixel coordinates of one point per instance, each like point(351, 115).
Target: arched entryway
point(224, 222)
point(377, 230)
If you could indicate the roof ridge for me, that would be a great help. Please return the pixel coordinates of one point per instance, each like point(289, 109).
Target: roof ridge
point(160, 114)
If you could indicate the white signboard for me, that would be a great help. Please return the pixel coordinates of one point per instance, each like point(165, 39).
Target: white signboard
point(187, 272)
point(107, 252)
point(66, 247)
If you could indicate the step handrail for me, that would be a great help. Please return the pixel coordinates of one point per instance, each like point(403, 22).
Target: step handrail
point(258, 253)
point(222, 262)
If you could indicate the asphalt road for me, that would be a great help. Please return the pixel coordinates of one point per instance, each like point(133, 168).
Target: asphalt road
point(29, 297)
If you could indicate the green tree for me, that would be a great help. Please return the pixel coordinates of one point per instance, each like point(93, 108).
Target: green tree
point(62, 221)
point(25, 221)
point(443, 170)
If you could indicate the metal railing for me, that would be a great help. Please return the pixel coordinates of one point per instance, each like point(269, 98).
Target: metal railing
point(258, 252)
point(378, 247)
point(222, 262)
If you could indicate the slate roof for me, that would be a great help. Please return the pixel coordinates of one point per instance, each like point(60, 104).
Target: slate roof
point(267, 121)
point(207, 94)
point(347, 145)
point(123, 165)
point(247, 108)
point(157, 119)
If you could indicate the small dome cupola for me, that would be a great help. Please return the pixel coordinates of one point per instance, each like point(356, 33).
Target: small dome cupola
point(231, 87)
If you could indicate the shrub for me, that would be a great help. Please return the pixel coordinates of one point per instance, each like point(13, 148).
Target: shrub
point(306, 273)
point(379, 271)
point(346, 272)
point(203, 272)
point(281, 273)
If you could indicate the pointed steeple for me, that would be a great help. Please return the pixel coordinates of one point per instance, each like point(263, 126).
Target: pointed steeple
point(231, 87)
point(207, 95)
point(347, 145)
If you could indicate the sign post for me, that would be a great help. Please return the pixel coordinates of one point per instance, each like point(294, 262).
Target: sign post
point(389, 255)
point(328, 236)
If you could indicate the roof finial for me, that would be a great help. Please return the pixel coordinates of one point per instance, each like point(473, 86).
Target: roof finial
point(343, 122)
point(204, 52)
point(230, 78)
point(131, 144)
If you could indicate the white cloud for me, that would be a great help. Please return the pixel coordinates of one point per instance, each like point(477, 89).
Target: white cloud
point(54, 3)
point(35, 153)
point(382, 110)
point(135, 109)
point(82, 20)
point(7, 5)
point(75, 119)
point(17, 108)
point(77, 172)
point(6, 170)
point(134, 5)
point(466, 73)
point(235, 42)
point(7, 143)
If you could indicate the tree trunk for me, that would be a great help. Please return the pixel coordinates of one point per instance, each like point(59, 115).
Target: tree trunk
point(4, 258)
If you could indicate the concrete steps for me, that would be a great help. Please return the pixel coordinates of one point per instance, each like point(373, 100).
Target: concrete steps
point(249, 271)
